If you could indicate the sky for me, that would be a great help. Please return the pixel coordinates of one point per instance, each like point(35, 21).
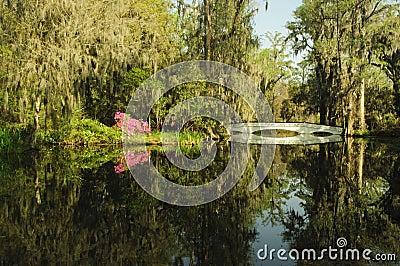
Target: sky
point(275, 18)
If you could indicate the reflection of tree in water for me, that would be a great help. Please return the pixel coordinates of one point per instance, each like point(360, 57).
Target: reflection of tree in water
point(352, 193)
point(390, 202)
point(72, 208)
point(278, 187)
point(79, 221)
point(65, 214)
point(221, 232)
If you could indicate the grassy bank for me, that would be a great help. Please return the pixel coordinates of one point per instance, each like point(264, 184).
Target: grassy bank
point(81, 132)
point(387, 133)
point(88, 132)
point(185, 138)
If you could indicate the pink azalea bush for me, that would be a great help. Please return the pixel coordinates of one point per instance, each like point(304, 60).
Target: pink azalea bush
point(131, 126)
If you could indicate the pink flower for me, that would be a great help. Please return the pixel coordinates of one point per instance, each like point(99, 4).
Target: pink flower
point(119, 168)
point(119, 116)
point(146, 127)
point(131, 125)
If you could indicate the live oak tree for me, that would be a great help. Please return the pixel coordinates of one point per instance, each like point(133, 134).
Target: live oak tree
point(271, 68)
point(218, 30)
point(67, 55)
point(385, 49)
point(338, 41)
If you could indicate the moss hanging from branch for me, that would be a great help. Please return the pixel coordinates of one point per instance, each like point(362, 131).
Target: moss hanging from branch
point(65, 54)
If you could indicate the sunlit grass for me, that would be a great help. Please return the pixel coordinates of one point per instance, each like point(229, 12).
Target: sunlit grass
point(82, 132)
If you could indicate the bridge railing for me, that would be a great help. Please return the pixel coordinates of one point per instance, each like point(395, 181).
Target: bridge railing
point(243, 133)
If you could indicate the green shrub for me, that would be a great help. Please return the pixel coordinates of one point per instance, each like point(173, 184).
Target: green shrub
point(81, 131)
point(14, 138)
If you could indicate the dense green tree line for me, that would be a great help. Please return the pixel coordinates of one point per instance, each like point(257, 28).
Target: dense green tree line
point(62, 56)
point(72, 56)
point(66, 56)
point(353, 59)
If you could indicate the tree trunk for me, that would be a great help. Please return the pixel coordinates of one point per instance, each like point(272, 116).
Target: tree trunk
point(36, 120)
point(208, 29)
point(363, 126)
point(350, 115)
point(5, 104)
point(323, 102)
point(361, 167)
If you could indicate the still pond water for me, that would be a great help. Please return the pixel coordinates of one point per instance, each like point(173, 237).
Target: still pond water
point(78, 207)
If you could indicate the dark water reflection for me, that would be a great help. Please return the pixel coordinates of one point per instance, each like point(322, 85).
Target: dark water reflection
point(70, 207)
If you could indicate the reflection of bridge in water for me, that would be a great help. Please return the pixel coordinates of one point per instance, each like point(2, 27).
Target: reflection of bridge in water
point(307, 133)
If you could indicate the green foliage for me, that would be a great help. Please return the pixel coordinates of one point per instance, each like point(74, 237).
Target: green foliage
point(386, 49)
point(271, 65)
point(345, 42)
point(14, 138)
point(59, 56)
point(88, 131)
point(186, 139)
point(104, 102)
point(82, 131)
point(101, 54)
point(7, 139)
point(217, 30)
point(134, 77)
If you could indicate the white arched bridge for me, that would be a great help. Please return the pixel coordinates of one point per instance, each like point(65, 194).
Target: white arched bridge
point(306, 133)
